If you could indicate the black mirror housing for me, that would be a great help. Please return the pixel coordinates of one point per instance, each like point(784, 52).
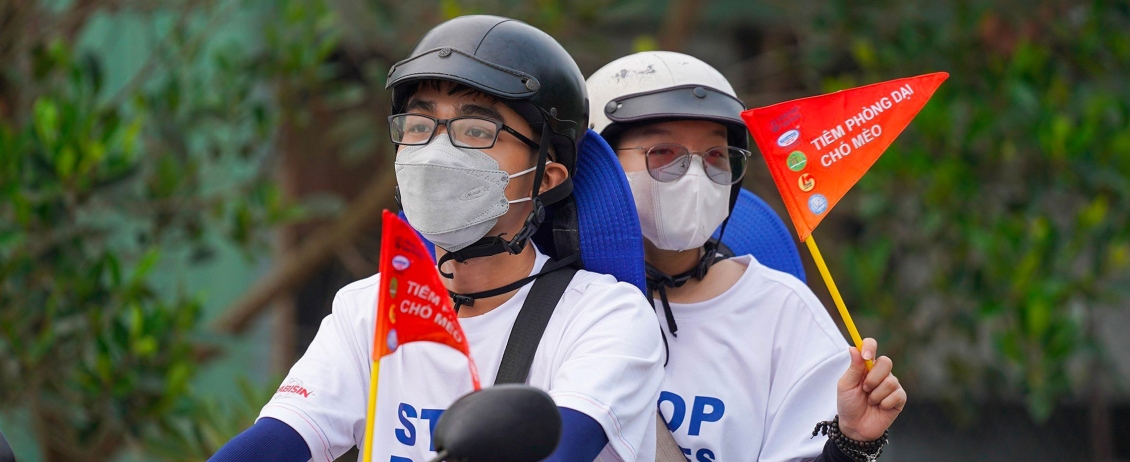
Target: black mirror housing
point(504, 423)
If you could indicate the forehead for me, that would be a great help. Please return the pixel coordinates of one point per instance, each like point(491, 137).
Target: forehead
point(431, 94)
point(444, 99)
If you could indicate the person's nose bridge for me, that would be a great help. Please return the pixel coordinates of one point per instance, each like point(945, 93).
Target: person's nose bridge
point(441, 129)
point(701, 163)
point(689, 157)
point(442, 125)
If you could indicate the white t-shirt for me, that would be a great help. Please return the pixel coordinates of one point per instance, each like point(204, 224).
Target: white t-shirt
point(601, 355)
point(752, 370)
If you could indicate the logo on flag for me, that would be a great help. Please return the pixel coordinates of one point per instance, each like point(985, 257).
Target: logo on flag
point(392, 343)
point(806, 182)
point(788, 138)
point(818, 204)
point(785, 119)
point(796, 161)
point(844, 132)
point(400, 263)
point(419, 309)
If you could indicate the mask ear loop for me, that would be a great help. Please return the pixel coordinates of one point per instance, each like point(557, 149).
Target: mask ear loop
point(537, 215)
point(523, 172)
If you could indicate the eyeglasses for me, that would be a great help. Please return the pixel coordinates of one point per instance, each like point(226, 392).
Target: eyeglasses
point(668, 162)
point(465, 132)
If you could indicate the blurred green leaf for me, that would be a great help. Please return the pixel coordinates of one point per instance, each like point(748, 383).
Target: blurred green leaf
point(644, 42)
point(47, 121)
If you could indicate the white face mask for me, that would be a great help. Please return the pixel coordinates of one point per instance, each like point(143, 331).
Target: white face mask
point(682, 214)
point(452, 195)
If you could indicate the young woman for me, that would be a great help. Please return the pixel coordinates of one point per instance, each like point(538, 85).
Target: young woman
point(754, 360)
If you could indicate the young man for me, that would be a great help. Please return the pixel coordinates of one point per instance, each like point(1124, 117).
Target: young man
point(488, 113)
point(754, 360)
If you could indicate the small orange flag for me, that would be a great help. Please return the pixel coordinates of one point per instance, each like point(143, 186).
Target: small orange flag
point(413, 305)
point(817, 148)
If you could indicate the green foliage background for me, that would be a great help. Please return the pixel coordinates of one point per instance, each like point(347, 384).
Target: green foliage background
point(991, 234)
point(980, 249)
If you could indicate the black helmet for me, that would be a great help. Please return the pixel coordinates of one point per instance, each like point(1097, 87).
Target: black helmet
point(532, 74)
point(513, 61)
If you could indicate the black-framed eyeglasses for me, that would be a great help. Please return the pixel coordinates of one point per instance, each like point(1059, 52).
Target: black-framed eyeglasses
point(465, 132)
point(668, 162)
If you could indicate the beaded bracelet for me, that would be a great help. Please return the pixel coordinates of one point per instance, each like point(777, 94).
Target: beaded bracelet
point(862, 451)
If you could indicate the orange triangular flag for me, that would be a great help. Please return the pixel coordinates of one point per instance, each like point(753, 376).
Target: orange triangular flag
point(413, 305)
point(817, 148)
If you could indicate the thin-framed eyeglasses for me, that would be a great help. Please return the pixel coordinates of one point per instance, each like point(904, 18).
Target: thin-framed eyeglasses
point(465, 132)
point(668, 162)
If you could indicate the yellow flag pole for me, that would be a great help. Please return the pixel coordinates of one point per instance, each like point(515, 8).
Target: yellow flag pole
point(836, 296)
point(371, 414)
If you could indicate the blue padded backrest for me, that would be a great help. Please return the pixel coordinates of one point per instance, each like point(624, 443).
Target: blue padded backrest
point(755, 229)
point(611, 240)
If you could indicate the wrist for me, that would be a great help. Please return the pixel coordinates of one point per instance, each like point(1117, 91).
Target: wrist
point(861, 451)
point(849, 431)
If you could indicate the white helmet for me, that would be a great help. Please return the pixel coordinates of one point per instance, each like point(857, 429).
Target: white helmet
point(658, 85)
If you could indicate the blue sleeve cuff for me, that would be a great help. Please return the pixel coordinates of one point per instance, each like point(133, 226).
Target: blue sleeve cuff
point(267, 440)
point(582, 438)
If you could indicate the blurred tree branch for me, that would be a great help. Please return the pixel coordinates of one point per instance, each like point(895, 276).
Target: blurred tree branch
point(175, 53)
point(93, 193)
point(679, 23)
point(367, 37)
point(311, 255)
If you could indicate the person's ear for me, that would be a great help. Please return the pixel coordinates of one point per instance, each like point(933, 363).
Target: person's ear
point(555, 174)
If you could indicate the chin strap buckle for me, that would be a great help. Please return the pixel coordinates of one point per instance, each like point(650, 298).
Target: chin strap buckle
point(461, 300)
point(709, 257)
point(497, 244)
point(533, 222)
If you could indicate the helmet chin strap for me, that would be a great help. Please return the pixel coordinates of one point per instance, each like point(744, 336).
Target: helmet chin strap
point(495, 245)
point(658, 281)
point(462, 300)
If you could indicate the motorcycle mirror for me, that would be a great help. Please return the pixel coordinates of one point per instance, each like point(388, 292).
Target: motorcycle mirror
point(6, 454)
point(504, 423)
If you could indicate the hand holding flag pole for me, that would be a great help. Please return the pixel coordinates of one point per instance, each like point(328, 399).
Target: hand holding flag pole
point(408, 274)
point(817, 148)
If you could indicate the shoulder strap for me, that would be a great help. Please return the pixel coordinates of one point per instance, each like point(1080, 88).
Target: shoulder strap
point(666, 449)
point(530, 325)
